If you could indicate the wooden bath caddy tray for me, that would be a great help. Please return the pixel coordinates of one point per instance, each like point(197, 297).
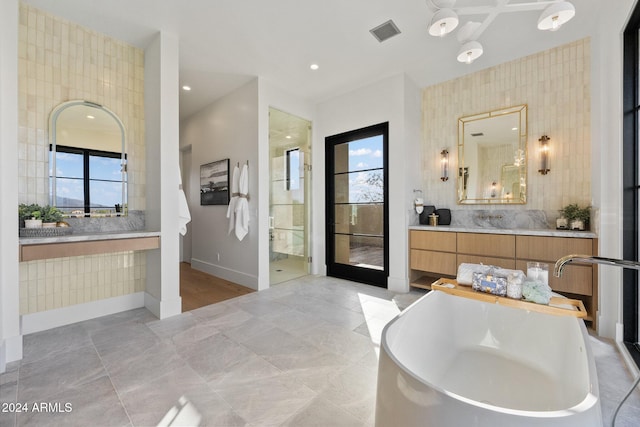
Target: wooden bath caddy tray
point(450, 286)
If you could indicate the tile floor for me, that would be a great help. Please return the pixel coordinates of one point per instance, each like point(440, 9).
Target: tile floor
point(301, 353)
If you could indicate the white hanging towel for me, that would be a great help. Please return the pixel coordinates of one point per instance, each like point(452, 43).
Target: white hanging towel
point(184, 216)
point(242, 204)
point(231, 210)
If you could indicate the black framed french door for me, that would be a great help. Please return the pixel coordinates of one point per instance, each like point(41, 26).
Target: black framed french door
point(357, 211)
point(631, 184)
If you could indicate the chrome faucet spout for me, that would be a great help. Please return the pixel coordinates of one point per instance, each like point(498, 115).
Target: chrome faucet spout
point(589, 259)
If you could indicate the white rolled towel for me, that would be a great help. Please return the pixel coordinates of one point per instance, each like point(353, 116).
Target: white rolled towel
point(466, 270)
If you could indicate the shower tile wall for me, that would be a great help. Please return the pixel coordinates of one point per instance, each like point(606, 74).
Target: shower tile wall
point(556, 86)
point(61, 61)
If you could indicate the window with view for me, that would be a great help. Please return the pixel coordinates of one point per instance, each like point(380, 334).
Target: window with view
point(88, 182)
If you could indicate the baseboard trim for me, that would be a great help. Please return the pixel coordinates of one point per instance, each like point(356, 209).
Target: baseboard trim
point(44, 320)
point(10, 351)
point(628, 359)
point(244, 279)
point(398, 284)
point(162, 309)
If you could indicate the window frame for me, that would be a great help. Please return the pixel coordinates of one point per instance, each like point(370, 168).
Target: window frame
point(87, 153)
point(630, 181)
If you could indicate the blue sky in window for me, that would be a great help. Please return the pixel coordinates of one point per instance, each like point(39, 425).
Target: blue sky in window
point(71, 191)
point(366, 185)
point(365, 153)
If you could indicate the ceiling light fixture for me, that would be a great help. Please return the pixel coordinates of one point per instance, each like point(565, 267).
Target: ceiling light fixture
point(443, 22)
point(469, 52)
point(186, 88)
point(445, 19)
point(314, 66)
point(89, 116)
point(556, 15)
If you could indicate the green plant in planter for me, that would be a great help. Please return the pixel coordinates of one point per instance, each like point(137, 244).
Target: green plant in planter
point(574, 212)
point(51, 214)
point(32, 211)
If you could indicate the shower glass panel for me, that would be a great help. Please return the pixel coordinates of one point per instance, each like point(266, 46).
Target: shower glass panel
point(289, 147)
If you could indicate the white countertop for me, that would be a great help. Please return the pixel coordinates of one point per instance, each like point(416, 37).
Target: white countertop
point(549, 232)
point(87, 237)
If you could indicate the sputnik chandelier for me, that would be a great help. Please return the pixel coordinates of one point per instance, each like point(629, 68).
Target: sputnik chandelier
point(445, 20)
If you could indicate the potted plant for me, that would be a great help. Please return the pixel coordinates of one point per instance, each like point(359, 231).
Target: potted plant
point(30, 214)
point(50, 216)
point(577, 217)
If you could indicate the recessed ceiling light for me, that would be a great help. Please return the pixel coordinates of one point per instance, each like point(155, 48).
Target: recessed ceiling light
point(288, 136)
point(90, 117)
point(187, 88)
point(514, 128)
point(314, 66)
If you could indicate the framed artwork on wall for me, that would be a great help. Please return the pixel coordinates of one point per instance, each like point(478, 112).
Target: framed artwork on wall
point(214, 183)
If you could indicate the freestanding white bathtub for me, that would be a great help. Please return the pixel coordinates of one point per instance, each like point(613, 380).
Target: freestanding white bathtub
point(453, 361)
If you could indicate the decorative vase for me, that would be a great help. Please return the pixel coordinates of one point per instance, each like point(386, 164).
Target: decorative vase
point(577, 224)
point(32, 223)
point(562, 223)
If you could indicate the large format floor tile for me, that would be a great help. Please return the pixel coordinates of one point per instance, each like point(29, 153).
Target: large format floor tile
point(302, 353)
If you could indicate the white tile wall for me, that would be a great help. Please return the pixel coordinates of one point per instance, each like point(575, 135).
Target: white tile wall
point(555, 84)
point(60, 282)
point(61, 61)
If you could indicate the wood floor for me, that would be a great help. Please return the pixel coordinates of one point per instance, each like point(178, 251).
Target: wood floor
point(198, 289)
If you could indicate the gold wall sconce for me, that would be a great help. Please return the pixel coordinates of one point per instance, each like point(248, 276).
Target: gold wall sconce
point(444, 165)
point(544, 155)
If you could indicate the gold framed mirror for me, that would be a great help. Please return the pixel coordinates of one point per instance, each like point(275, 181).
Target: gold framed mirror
point(492, 157)
point(87, 160)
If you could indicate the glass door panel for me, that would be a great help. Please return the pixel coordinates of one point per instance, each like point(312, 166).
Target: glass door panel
point(290, 147)
point(357, 205)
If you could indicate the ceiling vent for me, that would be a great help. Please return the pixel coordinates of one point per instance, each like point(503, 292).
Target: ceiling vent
point(385, 31)
point(477, 134)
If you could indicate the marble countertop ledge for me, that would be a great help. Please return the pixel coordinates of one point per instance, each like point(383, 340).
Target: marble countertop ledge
point(550, 232)
point(87, 237)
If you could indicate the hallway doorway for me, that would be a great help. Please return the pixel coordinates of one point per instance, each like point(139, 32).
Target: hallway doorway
point(289, 196)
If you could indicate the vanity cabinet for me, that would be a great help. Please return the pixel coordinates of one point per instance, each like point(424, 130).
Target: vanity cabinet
point(576, 279)
point(489, 249)
point(435, 254)
point(32, 249)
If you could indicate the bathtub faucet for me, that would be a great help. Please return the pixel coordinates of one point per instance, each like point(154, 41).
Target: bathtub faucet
point(557, 270)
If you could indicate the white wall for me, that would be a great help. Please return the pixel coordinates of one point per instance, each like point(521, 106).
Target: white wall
point(10, 338)
point(227, 129)
point(395, 100)
point(162, 296)
point(606, 169)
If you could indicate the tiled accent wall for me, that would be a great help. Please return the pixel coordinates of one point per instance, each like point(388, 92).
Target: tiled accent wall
point(60, 282)
point(61, 61)
point(555, 84)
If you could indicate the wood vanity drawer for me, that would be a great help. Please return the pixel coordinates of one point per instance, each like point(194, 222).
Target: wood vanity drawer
point(576, 279)
point(443, 241)
point(490, 245)
point(509, 263)
point(550, 249)
point(434, 262)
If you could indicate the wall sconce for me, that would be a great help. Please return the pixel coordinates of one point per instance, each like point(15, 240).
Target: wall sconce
point(444, 165)
point(544, 155)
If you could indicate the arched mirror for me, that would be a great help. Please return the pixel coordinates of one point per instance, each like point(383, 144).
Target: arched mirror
point(492, 157)
point(87, 160)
